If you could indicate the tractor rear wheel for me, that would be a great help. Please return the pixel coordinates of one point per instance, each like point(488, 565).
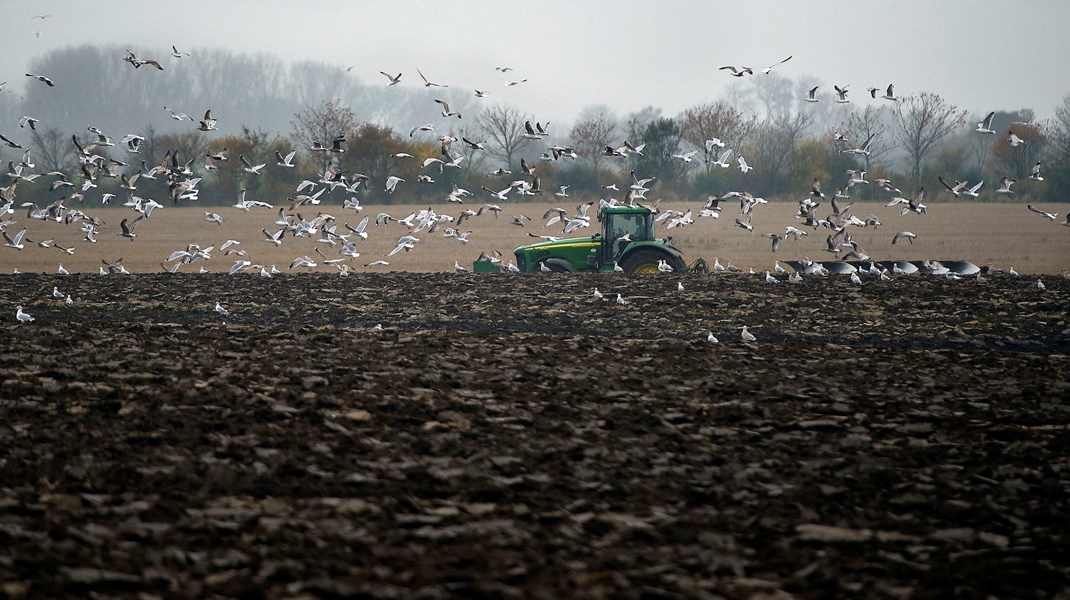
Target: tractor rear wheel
point(646, 261)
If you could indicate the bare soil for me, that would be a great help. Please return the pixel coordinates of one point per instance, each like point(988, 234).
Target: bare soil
point(512, 436)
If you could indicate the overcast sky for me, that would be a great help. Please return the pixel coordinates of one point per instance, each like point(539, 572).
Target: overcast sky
point(980, 55)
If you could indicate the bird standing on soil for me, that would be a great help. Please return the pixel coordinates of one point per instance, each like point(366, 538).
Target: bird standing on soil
point(747, 336)
point(219, 309)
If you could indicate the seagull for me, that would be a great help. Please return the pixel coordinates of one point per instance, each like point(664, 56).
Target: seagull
point(1047, 215)
point(15, 242)
point(985, 126)
point(1040, 286)
point(863, 149)
point(769, 278)
point(1005, 186)
point(766, 70)
point(855, 279)
point(712, 338)
point(56, 293)
point(394, 80)
point(212, 217)
point(285, 161)
point(42, 79)
point(841, 94)
point(175, 53)
point(32, 122)
point(722, 159)
point(458, 268)
point(955, 189)
point(481, 93)
point(207, 123)
point(811, 96)
point(248, 167)
point(621, 300)
point(904, 234)
point(1014, 140)
point(738, 72)
point(747, 336)
point(598, 295)
point(392, 182)
point(22, 317)
point(219, 309)
point(62, 271)
point(972, 191)
point(664, 266)
point(1035, 175)
point(426, 82)
point(743, 166)
point(428, 127)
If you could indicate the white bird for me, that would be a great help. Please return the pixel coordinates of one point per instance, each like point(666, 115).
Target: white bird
point(811, 96)
point(446, 112)
point(985, 126)
point(1040, 285)
point(219, 309)
point(392, 182)
point(394, 79)
point(617, 268)
point(212, 217)
point(841, 94)
point(68, 301)
point(56, 293)
point(904, 234)
point(679, 286)
point(1036, 173)
point(458, 268)
point(175, 53)
point(22, 317)
point(855, 279)
point(769, 278)
point(248, 167)
point(207, 123)
point(1014, 140)
point(747, 336)
point(621, 300)
point(972, 191)
point(62, 270)
point(766, 70)
point(712, 338)
point(285, 161)
point(15, 242)
point(1005, 186)
point(664, 266)
point(722, 159)
point(428, 83)
point(743, 166)
point(598, 295)
point(1047, 215)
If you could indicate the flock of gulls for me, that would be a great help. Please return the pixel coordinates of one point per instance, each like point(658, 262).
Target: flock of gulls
point(335, 245)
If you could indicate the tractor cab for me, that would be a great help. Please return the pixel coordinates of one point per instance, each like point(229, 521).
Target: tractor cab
point(624, 221)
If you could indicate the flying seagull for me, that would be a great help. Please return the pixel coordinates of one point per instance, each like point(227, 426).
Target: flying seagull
point(394, 79)
point(426, 82)
point(985, 126)
point(738, 72)
point(766, 70)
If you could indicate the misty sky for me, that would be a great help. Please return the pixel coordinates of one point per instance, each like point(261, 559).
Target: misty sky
point(980, 55)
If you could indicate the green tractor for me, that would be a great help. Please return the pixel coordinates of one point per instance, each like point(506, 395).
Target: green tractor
point(638, 252)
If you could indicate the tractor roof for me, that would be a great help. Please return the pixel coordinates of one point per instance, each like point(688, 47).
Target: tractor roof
point(626, 210)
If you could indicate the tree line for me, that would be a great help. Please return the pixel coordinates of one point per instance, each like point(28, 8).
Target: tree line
point(267, 106)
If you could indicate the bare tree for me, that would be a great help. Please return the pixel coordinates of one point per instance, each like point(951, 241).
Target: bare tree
point(919, 123)
point(713, 120)
point(53, 151)
point(503, 128)
point(1059, 168)
point(774, 93)
point(871, 122)
point(595, 129)
point(322, 124)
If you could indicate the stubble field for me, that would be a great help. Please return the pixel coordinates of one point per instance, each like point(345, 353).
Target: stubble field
point(1006, 235)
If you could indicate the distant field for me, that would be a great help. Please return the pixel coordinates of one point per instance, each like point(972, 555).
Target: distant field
point(1005, 235)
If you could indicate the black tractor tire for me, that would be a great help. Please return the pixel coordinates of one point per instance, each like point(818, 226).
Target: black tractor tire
point(645, 260)
point(559, 265)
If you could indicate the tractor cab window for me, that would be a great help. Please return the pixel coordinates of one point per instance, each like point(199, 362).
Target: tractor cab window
point(634, 226)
